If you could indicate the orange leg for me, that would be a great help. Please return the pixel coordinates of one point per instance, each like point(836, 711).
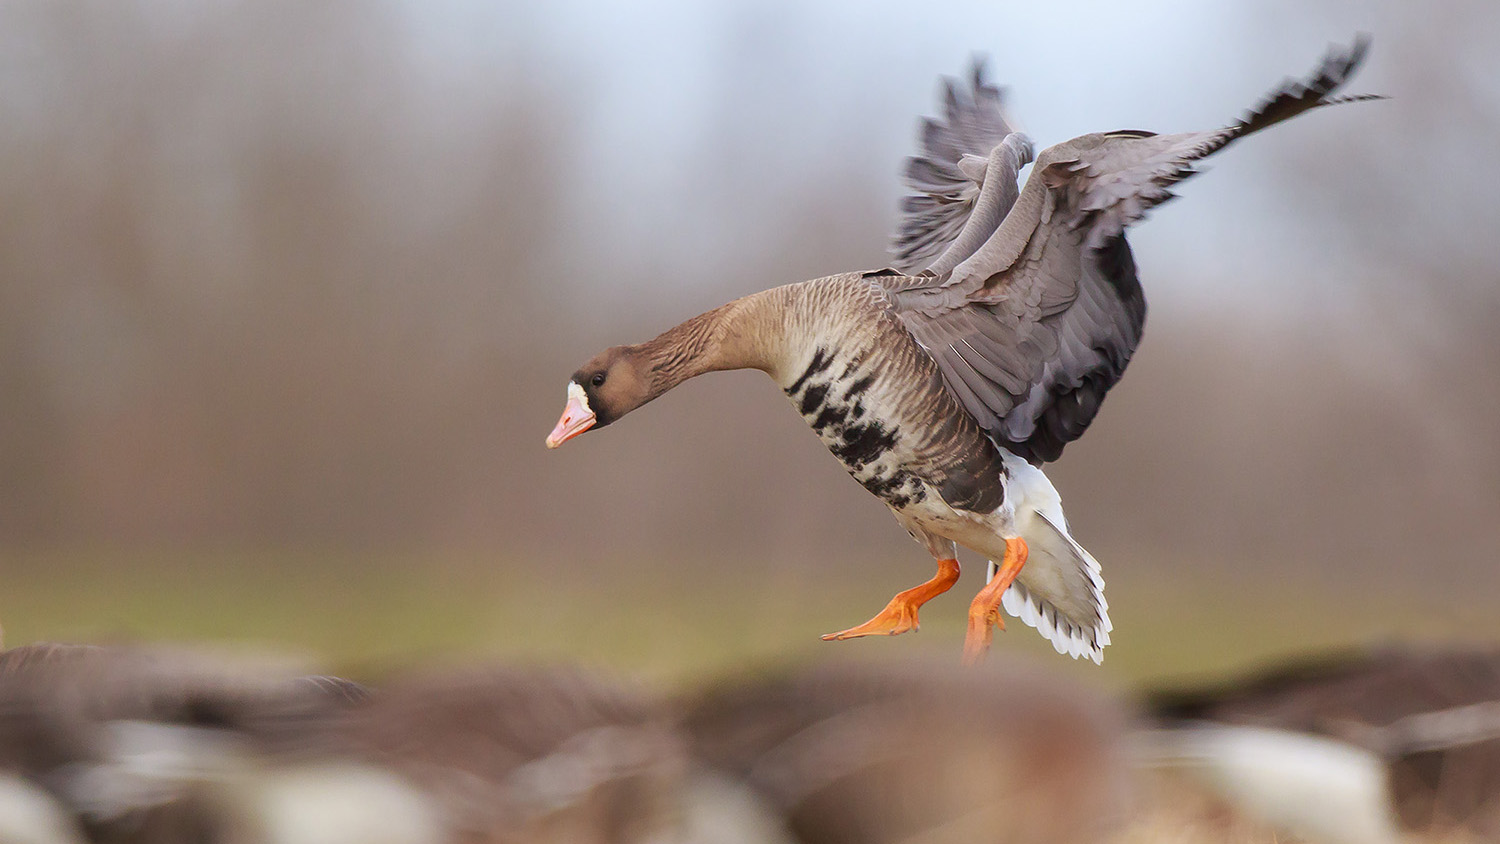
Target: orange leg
point(984, 613)
point(900, 615)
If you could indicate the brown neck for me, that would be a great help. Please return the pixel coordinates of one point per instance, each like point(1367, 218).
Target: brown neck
point(743, 334)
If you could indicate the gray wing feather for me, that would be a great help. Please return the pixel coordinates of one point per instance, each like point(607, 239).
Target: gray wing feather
point(1115, 178)
point(1032, 327)
point(973, 126)
point(997, 195)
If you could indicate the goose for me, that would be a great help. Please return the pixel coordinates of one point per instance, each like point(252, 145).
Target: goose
point(153, 744)
point(1377, 744)
point(535, 754)
point(945, 383)
point(907, 750)
point(137, 743)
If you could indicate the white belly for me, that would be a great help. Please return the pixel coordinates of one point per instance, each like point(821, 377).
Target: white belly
point(982, 532)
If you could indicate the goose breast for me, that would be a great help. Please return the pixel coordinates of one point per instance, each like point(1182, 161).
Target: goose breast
point(877, 401)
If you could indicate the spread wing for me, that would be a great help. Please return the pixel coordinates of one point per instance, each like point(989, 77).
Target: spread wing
point(960, 167)
point(1033, 328)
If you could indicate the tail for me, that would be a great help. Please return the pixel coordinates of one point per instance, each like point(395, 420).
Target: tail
point(1060, 590)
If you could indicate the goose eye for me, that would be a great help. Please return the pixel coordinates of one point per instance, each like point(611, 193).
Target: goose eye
point(597, 380)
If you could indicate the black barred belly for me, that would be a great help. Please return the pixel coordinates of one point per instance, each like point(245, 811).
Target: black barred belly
point(834, 407)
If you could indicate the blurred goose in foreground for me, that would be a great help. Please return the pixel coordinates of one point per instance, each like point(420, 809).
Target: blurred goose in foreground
point(943, 389)
point(532, 755)
point(147, 745)
point(133, 744)
point(1372, 747)
point(921, 752)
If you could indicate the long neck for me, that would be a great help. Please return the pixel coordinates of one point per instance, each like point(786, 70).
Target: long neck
point(744, 334)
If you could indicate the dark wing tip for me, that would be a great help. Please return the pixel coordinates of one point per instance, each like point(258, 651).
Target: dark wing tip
point(1353, 98)
point(1339, 65)
point(1295, 96)
point(1357, 50)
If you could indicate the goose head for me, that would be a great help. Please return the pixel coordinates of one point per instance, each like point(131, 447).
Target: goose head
point(744, 334)
point(613, 383)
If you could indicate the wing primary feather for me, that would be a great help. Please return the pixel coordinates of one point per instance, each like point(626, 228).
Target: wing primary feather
point(973, 123)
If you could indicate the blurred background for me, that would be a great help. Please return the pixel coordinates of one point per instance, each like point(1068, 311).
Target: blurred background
point(289, 293)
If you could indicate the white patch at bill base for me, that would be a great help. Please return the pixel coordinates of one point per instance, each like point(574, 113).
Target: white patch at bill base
point(576, 393)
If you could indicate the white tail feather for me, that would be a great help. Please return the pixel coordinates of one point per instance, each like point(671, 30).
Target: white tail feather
point(1060, 590)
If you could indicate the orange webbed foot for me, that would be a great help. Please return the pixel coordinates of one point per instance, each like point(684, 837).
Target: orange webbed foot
point(900, 615)
point(984, 613)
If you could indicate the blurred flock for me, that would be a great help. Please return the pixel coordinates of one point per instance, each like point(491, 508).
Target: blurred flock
point(168, 745)
point(289, 293)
